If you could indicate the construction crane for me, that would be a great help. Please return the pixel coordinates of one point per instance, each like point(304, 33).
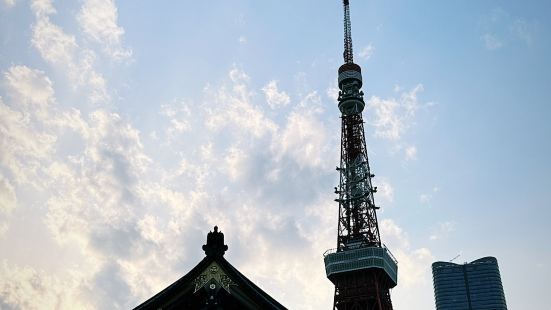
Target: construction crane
point(451, 260)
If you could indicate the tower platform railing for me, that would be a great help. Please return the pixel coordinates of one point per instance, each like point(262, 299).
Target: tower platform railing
point(339, 262)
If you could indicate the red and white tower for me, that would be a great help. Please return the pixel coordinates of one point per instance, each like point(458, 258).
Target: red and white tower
point(361, 267)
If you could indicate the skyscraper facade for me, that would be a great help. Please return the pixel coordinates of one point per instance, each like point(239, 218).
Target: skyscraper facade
point(470, 286)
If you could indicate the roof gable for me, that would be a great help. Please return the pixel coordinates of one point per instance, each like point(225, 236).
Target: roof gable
point(212, 284)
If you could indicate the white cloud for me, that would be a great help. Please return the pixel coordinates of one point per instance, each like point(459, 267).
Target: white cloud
point(179, 119)
point(414, 274)
point(27, 288)
point(392, 117)
point(23, 142)
point(54, 45)
point(393, 234)
point(425, 198)
point(496, 15)
point(414, 266)
point(523, 30)
point(303, 139)
point(31, 88)
point(274, 97)
point(492, 25)
point(442, 231)
point(150, 229)
point(62, 51)
point(233, 107)
point(332, 92)
point(367, 52)
point(42, 8)
point(491, 41)
point(242, 40)
point(235, 163)
point(10, 3)
point(239, 77)
point(8, 199)
point(384, 189)
point(87, 192)
point(99, 183)
point(304, 136)
point(8, 202)
point(411, 152)
point(499, 28)
point(98, 20)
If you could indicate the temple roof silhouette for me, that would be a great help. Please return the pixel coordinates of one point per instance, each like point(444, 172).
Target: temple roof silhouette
point(212, 284)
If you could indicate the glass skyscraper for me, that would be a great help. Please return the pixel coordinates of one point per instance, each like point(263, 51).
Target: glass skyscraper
point(470, 286)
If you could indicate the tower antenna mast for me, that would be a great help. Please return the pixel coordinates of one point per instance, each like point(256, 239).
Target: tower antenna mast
point(348, 50)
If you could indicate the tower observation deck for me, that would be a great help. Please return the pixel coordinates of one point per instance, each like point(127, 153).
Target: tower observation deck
point(362, 269)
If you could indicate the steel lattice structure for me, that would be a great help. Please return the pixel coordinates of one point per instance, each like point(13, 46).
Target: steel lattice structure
point(361, 267)
point(357, 217)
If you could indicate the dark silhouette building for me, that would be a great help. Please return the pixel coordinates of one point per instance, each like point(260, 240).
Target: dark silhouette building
point(213, 284)
point(362, 269)
point(470, 286)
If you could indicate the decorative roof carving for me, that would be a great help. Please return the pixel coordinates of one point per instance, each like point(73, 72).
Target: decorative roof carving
point(213, 273)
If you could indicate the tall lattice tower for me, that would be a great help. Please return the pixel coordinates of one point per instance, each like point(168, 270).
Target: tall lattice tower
point(361, 267)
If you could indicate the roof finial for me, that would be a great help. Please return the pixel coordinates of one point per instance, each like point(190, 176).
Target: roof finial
point(215, 244)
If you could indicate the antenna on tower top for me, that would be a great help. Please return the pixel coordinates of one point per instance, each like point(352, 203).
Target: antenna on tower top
point(348, 53)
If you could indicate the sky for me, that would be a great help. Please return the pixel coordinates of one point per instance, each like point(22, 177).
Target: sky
point(129, 129)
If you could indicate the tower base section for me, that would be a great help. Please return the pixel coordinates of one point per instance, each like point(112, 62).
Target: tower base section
point(365, 290)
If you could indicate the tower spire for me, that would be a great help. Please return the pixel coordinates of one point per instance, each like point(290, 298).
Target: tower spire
point(361, 267)
point(348, 53)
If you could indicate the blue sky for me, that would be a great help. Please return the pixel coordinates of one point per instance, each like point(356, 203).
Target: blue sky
point(129, 129)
